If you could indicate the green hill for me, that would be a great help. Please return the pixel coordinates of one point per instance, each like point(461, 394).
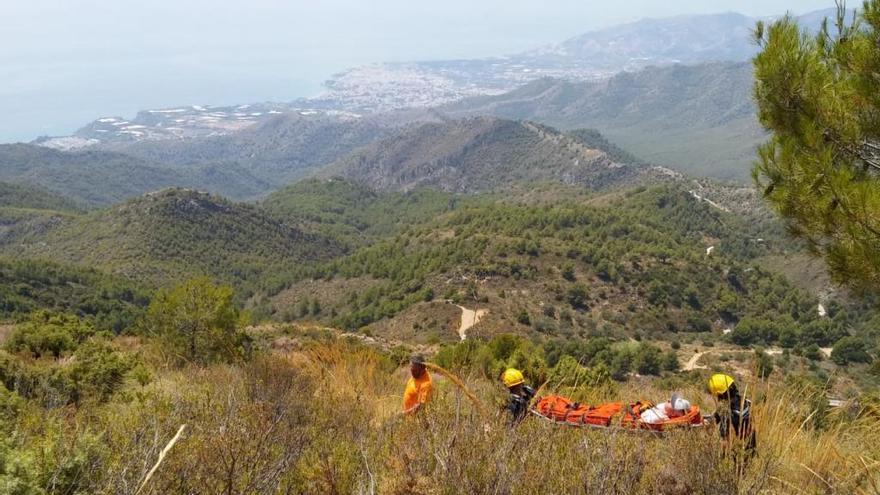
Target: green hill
point(354, 214)
point(177, 233)
point(699, 119)
point(33, 197)
point(98, 178)
point(635, 263)
point(478, 155)
point(29, 285)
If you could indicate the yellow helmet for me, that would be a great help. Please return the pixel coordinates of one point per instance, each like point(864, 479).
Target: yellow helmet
point(512, 377)
point(719, 384)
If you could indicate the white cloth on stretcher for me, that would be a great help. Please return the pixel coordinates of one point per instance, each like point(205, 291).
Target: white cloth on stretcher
point(660, 412)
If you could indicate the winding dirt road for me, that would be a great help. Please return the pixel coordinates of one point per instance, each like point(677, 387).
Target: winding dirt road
point(692, 362)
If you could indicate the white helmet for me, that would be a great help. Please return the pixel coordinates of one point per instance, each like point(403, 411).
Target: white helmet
point(680, 404)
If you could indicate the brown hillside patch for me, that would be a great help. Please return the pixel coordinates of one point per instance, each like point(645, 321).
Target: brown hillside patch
point(802, 270)
point(423, 323)
point(327, 292)
point(5, 330)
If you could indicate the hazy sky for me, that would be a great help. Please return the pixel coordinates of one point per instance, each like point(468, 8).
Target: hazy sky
point(66, 62)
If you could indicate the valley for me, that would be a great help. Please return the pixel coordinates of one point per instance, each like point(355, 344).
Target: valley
point(229, 299)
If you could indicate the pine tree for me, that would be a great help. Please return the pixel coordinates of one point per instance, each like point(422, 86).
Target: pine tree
point(819, 97)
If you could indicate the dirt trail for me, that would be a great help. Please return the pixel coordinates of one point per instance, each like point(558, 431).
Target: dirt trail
point(469, 318)
point(773, 351)
point(692, 362)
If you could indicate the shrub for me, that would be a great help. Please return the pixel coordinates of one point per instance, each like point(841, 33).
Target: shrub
point(850, 350)
point(648, 360)
point(763, 363)
point(670, 361)
point(577, 297)
point(813, 353)
point(97, 370)
point(47, 333)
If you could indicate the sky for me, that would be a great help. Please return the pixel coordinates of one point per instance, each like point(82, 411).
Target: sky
point(64, 63)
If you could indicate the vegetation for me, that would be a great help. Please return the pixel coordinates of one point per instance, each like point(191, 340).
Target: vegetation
point(29, 285)
point(92, 177)
point(32, 197)
point(639, 264)
point(479, 154)
point(196, 321)
point(47, 334)
point(820, 170)
point(55, 360)
point(250, 431)
point(353, 214)
point(175, 234)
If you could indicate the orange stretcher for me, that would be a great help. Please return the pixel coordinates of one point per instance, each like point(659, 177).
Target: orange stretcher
point(561, 410)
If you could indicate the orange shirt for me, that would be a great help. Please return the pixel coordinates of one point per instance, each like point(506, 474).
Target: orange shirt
point(418, 391)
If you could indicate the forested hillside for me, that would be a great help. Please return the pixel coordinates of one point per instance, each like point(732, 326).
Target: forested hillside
point(698, 119)
point(33, 197)
point(277, 151)
point(174, 234)
point(654, 262)
point(99, 178)
point(30, 285)
point(354, 214)
point(479, 155)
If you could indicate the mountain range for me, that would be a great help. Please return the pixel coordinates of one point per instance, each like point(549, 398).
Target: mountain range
point(699, 119)
point(595, 55)
point(674, 92)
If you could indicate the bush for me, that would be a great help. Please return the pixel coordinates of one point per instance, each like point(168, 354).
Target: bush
point(577, 297)
point(850, 350)
point(97, 370)
point(621, 365)
point(670, 361)
point(763, 363)
point(47, 333)
point(648, 360)
point(813, 353)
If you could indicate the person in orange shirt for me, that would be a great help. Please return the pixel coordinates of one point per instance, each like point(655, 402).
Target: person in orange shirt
point(418, 388)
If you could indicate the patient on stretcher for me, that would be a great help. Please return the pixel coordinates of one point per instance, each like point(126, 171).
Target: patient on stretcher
point(674, 408)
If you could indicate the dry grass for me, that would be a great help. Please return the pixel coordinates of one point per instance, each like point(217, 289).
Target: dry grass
point(326, 419)
point(455, 448)
point(5, 330)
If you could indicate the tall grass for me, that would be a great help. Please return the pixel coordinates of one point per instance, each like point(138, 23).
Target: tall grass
point(326, 419)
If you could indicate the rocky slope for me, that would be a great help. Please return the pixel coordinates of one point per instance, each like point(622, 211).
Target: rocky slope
point(477, 155)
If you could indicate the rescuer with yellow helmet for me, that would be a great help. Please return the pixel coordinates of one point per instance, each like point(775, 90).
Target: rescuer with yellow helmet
point(734, 411)
point(520, 394)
